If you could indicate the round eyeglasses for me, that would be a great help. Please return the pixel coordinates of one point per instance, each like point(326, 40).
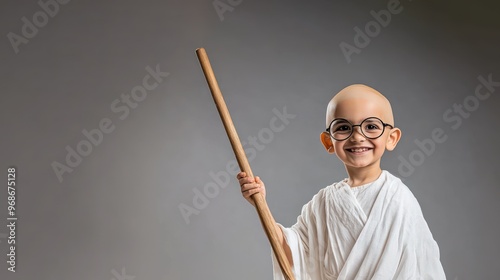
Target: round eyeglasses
point(371, 128)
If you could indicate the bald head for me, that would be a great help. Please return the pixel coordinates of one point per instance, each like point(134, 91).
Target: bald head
point(357, 102)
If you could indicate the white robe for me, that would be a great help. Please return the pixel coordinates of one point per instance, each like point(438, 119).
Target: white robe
point(375, 231)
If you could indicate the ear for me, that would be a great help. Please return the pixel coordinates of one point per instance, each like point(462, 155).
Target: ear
point(326, 140)
point(393, 139)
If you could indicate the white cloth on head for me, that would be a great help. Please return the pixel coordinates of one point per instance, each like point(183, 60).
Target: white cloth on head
point(375, 231)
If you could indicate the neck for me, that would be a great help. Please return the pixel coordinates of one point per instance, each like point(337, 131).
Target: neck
point(362, 176)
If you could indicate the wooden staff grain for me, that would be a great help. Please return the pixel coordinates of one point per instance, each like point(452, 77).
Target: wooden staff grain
point(260, 203)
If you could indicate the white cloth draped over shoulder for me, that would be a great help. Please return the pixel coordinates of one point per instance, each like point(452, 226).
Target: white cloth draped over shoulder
point(375, 231)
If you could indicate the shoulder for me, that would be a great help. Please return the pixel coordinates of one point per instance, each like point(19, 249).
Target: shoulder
point(323, 193)
point(318, 201)
point(398, 191)
point(401, 201)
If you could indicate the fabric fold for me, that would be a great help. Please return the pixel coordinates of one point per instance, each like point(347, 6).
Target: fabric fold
point(334, 238)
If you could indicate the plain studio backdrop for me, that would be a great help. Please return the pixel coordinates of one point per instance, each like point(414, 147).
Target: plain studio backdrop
point(124, 170)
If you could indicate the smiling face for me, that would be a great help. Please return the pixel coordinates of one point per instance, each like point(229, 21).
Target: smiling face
point(355, 104)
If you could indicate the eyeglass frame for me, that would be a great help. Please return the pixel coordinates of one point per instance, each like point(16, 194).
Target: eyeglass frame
point(361, 129)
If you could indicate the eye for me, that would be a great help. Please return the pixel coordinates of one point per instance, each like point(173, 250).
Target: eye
point(342, 128)
point(372, 126)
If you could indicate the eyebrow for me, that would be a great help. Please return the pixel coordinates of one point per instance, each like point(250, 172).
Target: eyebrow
point(341, 120)
point(346, 120)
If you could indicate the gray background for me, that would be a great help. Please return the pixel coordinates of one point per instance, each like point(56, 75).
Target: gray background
point(116, 216)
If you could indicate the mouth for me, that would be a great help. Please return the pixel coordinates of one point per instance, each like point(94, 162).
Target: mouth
point(358, 150)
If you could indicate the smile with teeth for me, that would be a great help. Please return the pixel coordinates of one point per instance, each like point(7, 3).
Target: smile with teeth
point(358, 150)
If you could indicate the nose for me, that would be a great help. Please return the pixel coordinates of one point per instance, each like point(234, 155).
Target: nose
point(357, 135)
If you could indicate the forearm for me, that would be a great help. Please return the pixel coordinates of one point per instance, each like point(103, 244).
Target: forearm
point(284, 244)
point(282, 241)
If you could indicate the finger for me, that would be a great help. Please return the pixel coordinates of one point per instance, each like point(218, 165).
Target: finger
point(241, 175)
point(246, 180)
point(247, 187)
point(250, 191)
point(250, 186)
point(247, 195)
point(243, 182)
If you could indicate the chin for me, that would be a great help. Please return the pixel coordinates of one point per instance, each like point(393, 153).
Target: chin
point(361, 165)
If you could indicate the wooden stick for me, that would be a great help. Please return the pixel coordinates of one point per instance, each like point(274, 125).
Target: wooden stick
point(260, 203)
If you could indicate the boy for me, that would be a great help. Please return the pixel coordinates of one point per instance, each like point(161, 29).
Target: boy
point(368, 226)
